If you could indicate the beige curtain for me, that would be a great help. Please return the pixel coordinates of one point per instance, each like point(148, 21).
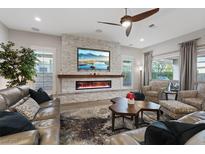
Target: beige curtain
point(147, 67)
point(188, 73)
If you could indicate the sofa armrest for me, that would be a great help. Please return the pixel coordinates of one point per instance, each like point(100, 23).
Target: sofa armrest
point(146, 88)
point(51, 96)
point(54, 97)
point(187, 94)
point(122, 139)
point(162, 89)
point(197, 139)
point(203, 105)
point(22, 138)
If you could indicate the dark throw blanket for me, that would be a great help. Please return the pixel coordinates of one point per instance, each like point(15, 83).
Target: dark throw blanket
point(171, 133)
point(13, 122)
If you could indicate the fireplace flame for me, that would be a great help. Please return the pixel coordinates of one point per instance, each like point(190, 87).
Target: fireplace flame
point(92, 84)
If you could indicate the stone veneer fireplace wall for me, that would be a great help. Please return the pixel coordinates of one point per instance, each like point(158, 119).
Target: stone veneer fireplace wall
point(69, 93)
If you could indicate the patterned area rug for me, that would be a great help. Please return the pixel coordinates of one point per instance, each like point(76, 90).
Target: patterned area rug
point(93, 125)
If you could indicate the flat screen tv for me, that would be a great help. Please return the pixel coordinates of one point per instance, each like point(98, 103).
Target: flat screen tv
point(93, 59)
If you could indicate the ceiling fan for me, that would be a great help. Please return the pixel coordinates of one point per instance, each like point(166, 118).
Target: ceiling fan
point(126, 21)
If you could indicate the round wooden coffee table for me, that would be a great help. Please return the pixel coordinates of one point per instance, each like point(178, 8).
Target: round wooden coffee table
point(120, 108)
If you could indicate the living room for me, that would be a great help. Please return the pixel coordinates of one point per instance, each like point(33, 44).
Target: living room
point(102, 76)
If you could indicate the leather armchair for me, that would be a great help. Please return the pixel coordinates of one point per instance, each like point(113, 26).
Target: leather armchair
point(153, 92)
point(194, 98)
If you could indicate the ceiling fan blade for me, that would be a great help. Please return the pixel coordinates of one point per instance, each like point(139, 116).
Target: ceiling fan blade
point(109, 23)
point(144, 15)
point(128, 30)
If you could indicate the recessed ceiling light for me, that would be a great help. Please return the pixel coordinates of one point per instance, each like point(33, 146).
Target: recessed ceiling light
point(37, 19)
point(35, 29)
point(141, 40)
point(98, 31)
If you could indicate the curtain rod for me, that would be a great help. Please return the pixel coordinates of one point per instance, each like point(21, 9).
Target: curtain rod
point(170, 52)
point(176, 51)
point(189, 40)
point(202, 45)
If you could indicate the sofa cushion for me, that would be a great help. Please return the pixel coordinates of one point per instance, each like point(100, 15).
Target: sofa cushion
point(177, 107)
point(39, 96)
point(13, 122)
point(29, 108)
point(152, 93)
point(47, 113)
point(11, 95)
point(196, 102)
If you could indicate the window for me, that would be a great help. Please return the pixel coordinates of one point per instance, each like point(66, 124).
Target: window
point(127, 72)
point(201, 68)
point(44, 69)
point(165, 69)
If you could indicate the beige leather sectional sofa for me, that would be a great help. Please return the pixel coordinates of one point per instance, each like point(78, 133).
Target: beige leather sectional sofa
point(46, 121)
point(134, 137)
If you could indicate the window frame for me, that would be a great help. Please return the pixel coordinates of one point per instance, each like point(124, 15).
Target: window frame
point(131, 59)
point(169, 57)
point(200, 54)
point(53, 51)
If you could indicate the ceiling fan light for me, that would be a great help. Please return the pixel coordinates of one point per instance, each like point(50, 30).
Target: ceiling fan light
point(126, 23)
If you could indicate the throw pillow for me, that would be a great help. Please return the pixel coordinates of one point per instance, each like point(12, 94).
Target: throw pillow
point(28, 109)
point(13, 122)
point(39, 96)
point(13, 107)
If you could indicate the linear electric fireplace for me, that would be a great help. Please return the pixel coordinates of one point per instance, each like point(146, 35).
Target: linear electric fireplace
point(81, 85)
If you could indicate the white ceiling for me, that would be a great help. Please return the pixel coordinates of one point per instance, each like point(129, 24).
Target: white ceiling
point(170, 23)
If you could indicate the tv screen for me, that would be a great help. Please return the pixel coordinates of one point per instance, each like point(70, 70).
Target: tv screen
point(91, 59)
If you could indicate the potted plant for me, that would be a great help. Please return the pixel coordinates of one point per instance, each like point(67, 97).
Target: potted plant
point(17, 65)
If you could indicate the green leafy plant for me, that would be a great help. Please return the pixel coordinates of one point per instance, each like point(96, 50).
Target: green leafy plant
point(17, 65)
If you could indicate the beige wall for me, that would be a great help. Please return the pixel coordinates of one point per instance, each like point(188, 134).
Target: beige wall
point(3, 38)
point(172, 45)
point(3, 33)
